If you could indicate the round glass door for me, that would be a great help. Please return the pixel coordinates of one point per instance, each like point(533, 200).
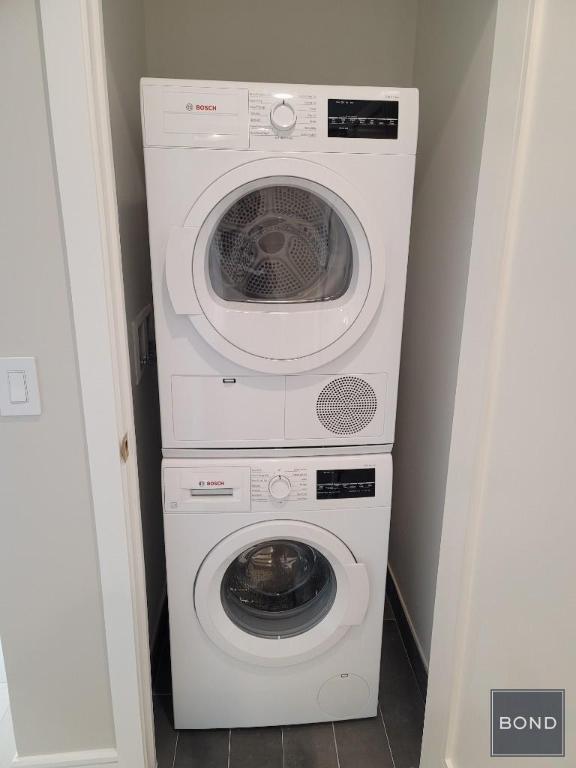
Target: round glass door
point(278, 589)
point(280, 244)
point(280, 265)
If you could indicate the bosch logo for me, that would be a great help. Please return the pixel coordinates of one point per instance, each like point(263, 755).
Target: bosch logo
point(201, 107)
point(203, 483)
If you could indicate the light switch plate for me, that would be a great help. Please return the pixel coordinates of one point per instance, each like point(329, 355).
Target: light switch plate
point(19, 392)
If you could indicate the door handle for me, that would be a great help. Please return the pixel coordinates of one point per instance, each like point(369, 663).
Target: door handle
point(179, 254)
point(358, 594)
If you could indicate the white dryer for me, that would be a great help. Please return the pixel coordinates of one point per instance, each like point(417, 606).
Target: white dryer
point(279, 222)
point(276, 578)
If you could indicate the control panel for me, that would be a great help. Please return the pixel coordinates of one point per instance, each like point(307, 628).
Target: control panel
point(282, 483)
point(276, 485)
point(332, 119)
point(283, 116)
point(279, 117)
point(362, 119)
point(345, 483)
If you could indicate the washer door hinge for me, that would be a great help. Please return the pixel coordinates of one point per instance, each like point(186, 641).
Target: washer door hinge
point(124, 449)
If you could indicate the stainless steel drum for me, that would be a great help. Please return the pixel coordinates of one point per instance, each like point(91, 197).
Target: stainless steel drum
point(278, 588)
point(280, 243)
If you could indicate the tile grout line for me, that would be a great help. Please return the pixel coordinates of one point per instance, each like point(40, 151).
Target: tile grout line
point(175, 748)
point(335, 745)
point(386, 733)
point(229, 745)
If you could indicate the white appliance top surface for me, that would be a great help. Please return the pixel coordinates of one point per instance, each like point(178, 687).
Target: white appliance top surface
point(279, 117)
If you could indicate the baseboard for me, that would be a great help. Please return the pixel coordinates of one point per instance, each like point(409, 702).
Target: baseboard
point(89, 758)
point(406, 629)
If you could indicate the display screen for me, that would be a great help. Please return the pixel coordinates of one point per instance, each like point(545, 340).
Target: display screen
point(345, 483)
point(359, 119)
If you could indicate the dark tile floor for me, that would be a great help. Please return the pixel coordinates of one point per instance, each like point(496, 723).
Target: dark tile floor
point(391, 740)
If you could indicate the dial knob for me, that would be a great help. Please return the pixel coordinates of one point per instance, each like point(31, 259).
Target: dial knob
point(282, 116)
point(279, 487)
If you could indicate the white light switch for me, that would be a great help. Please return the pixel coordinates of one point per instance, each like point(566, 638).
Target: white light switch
point(19, 393)
point(17, 387)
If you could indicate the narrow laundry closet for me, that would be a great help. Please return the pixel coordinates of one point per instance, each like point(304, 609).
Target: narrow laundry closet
point(285, 473)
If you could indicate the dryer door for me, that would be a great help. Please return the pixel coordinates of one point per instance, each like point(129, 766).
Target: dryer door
point(279, 265)
point(280, 592)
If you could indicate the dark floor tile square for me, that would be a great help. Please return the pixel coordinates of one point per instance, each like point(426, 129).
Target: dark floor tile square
point(256, 748)
point(401, 700)
point(164, 731)
point(309, 746)
point(202, 749)
point(362, 744)
point(162, 682)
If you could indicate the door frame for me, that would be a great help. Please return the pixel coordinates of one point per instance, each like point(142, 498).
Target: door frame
point(78, 104)
point(75, 70)
point(499, 183)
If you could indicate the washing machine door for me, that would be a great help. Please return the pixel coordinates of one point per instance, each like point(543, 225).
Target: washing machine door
point(280, 592)
point(280, 265)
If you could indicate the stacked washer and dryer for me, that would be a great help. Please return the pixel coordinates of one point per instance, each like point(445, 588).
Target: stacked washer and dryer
point(279, 222)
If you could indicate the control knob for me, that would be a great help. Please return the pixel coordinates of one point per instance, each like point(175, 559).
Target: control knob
point(279, 487)
point(283, 116)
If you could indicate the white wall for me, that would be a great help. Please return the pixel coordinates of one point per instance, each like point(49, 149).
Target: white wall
point(50, 613)
point(126, 63)
point(452, 67)
point(365, 42)
point(521, 627)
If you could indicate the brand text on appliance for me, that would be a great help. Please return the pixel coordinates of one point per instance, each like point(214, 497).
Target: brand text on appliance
point(201, 107)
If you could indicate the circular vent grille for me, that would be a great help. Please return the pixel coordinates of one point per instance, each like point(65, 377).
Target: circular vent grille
point(346, 405)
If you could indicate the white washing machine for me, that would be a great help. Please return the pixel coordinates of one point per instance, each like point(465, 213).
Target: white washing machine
point(279, 221)
point(276, 578)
